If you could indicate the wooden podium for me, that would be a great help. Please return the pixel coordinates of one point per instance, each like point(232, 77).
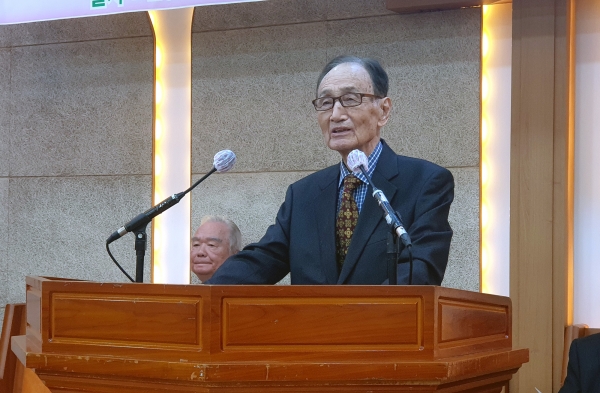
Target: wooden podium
point(102, 337)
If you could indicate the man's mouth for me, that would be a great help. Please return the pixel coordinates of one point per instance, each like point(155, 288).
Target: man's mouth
point(339, 130)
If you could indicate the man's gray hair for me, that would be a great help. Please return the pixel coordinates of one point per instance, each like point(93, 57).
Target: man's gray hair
point(235, 235)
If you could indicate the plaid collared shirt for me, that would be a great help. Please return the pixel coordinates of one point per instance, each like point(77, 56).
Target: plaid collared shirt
point(361, 191)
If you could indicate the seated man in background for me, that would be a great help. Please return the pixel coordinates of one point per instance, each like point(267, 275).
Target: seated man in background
point(216, 239)
point(583, 371)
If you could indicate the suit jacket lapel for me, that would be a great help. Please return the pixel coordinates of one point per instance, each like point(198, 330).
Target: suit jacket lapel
point(371, 214)
point(325, 204)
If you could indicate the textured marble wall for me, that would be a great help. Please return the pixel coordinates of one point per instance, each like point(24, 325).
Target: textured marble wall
point(4, 169)
point(254, 76)
point(463, 263)
point(4, 111)
point(59, 225)
point(118, 26)
point(82, 108)
point(3, 245)
point(75, 146)
point(282, 12)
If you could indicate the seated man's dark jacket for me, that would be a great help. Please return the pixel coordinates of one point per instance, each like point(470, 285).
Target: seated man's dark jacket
point(583, 371)
point(302, 240)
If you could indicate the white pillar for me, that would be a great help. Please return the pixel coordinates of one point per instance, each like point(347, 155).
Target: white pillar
point(172, 143)
point(586, 220)
point(495, 148)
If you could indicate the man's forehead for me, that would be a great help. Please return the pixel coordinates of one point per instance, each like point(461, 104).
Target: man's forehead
point(345, 78)
point(212, 229)
point(340, 89)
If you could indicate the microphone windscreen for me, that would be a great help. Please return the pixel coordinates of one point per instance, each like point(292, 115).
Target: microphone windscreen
point(224, 160)
point(356, 159)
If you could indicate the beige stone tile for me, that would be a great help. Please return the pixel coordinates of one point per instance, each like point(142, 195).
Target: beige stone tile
point(347, 9)
point(1, 316)
point(425, 37)
point(4, 111)
point(260, 14)
point(3, 242)
point(251, 200)
point(432, 59)
point(252, 91)
point(131, 24)
point(5, 34)
point(282, 12)
point(59, 226)
point(433, 63)
point(463, 263)
point(4, 210)
point(82, 108)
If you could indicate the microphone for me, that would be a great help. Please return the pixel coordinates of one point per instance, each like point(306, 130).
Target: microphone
point(222, 162)
point(357, 163)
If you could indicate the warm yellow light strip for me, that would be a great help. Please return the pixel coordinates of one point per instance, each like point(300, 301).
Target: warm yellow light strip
point(496, 47)
point(570, 160)
point(172, 143)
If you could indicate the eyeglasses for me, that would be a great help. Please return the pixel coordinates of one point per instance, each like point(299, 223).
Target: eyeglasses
point(346, 100)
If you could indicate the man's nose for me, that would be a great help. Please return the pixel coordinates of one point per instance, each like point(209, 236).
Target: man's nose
point(338, 112)
point(201, 250)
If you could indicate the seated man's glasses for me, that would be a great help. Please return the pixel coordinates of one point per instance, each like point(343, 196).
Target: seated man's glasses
point(346, 100)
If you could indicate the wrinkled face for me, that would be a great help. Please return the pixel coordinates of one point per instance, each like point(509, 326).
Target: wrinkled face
point(358, 127)
point(210, 248)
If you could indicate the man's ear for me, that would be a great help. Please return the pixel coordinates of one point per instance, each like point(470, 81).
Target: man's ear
point(386, 108)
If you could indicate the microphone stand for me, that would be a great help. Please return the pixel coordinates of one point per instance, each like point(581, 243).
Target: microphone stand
point(393, 251)
point(393, 246)
point(140, 252)
point(140, 231)
point(393, 257)
point(410, 256)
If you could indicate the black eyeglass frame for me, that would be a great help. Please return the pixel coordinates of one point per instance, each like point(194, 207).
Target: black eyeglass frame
point(361, 95)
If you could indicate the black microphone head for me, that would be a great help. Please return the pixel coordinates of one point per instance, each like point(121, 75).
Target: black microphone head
point(356, 159)
point(224, 160)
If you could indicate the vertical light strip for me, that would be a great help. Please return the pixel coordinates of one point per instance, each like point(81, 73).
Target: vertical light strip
point(586, 214)
point(172, 142)
point(496, 55)
point(570, 157)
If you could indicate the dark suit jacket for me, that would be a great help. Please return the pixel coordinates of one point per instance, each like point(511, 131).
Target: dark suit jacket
point(302, 240)
point(583, 371)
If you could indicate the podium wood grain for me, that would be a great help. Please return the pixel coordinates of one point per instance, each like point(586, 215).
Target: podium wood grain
point(99, 337)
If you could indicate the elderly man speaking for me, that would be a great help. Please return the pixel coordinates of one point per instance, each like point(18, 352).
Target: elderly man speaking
point(328, 230)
